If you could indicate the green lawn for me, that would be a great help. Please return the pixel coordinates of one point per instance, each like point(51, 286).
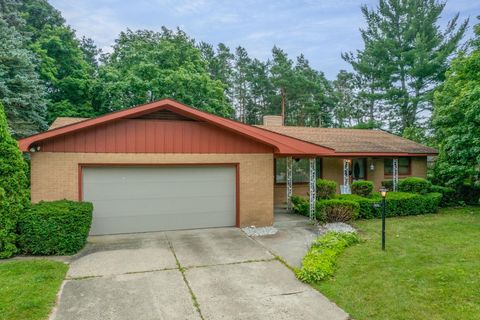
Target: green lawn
point(28, 288)
point(430, 270)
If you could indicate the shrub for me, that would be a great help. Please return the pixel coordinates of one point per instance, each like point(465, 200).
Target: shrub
point(449, 196)
point(414, 185)
point(397, 204)
point(469, 194)
point(362, 188)
point(326, 189)
point(388, 184)
point(319, 262)
point(55, 228)
point(13, 188)
point(336, 210)
point(301, 205)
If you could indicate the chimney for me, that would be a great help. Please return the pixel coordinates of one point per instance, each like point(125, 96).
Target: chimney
point(273, 121)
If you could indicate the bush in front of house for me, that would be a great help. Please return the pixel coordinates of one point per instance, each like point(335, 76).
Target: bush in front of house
point(326, 189)
point(388, 184)
point(13, 188)
point(336, 210)
point(414, 185)
point(319, 262)
point(362, 188)
point(55, 228)
point(301, 205)
point(449, 196)
point(397, 204)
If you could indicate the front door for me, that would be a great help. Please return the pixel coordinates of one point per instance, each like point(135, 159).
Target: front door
point(359, 169)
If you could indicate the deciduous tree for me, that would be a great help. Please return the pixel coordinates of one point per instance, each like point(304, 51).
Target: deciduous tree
point(456, 119)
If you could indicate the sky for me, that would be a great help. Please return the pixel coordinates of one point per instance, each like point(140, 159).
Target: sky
point(321, 29)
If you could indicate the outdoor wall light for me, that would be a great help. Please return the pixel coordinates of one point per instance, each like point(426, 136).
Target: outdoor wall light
point(33, 149)
point(372, 166)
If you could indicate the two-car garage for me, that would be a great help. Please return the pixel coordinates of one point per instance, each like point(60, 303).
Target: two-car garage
point(153, 198)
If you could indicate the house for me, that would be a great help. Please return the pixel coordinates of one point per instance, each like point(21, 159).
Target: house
point(166, 166)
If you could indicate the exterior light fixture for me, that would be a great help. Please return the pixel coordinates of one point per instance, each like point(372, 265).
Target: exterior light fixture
point(33, 149)
point(372, 166)
point(383, 192)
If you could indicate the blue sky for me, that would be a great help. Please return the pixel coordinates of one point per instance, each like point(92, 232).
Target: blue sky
point(320, 29)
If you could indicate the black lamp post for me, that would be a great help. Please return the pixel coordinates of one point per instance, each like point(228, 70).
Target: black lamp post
point(383, 192)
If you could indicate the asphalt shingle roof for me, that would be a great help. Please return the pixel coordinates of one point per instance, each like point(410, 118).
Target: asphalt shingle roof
point(353, 140)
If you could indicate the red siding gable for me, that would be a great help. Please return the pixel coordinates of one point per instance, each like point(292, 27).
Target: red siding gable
point(154, 136)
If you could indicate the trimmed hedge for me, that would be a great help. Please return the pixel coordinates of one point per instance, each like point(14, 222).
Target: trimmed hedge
point(301, 205)
point(397, 204)
point(55, 228)
point(336, 210)
point(319, 262)
point(362, 188)
point(326, 189)
point(388, 184)
point(414, 185)
point(449, 196)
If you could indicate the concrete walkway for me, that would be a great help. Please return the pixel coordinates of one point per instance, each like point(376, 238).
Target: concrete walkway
point(197, 274)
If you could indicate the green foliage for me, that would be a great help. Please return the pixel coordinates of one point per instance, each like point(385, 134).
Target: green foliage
point(336, 210)
point(301, 205)
point(146, 66)
point(319, 262)
point(449, 196)
point(326, 189)
point(13, 188)
point(362, 188)
point(397, 204)
point(67, 73)
point(55, 228)
point(21, 91)
point(456, 120)
point(414, 185)
point(405, 56)
point(388, 184)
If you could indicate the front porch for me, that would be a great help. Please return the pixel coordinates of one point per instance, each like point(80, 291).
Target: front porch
point(297, 176)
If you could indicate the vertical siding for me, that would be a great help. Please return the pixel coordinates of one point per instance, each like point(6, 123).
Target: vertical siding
point(154, 136)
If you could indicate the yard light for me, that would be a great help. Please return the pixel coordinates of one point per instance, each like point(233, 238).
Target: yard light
point(383, 192)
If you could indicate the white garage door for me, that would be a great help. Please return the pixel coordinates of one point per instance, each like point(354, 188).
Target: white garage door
point(142, 199)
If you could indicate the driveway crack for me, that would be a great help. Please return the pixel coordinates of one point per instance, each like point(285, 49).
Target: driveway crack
point(184, 276)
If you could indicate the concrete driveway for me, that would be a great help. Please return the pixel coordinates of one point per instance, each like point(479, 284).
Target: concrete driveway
point(195, 274)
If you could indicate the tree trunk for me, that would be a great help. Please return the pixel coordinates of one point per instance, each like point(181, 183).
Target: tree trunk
point(282, 93)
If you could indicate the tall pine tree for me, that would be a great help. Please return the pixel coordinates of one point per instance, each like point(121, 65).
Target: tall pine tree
point(405, 57)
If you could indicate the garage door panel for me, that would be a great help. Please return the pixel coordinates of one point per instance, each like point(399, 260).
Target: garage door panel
point(141, 199)
point(138, 207)
point(150, 223)
point(154, 190)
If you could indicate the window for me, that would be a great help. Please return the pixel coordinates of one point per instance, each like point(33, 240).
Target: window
point(300, 170)
point(403, 166)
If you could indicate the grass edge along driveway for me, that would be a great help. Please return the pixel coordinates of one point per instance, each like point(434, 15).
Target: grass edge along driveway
point(28, 289)
point(430, 269)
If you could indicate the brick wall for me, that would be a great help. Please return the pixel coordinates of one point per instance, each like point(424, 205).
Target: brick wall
point(54, 176)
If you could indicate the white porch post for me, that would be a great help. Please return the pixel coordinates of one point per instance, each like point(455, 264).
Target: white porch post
point(289, 183)
point(395, 174)
point(346, 176)
point(313, 187)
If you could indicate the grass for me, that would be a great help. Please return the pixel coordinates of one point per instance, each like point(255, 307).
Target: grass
point(430, 269)
point(28, 288)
